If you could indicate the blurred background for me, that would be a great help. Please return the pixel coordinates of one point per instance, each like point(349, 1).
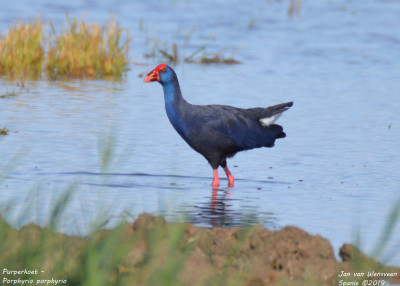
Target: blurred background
point(107, 138)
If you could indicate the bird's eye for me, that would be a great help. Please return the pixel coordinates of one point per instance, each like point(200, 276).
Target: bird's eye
point(163, 70)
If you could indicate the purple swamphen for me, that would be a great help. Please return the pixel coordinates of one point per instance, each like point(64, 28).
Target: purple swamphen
point(217, 131)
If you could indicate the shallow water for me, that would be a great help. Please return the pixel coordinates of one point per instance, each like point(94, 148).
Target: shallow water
point(336, 173)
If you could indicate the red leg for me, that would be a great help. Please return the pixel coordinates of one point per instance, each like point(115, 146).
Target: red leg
point(231, 179)
point(215, 182)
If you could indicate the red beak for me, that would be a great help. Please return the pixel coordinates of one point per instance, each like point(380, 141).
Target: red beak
point(152, 76)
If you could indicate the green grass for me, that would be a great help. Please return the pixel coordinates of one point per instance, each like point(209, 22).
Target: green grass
point(387, 233)
point(357, 262)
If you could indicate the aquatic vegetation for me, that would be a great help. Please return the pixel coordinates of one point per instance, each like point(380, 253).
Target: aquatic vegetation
point(176, 50)
point(87, 50)
point(79, 50)
point(252, 22)
point(213, 58)
point(22, 49)
point(8, 94)
point(294, 7)
point(3, 131)
point(172, 56)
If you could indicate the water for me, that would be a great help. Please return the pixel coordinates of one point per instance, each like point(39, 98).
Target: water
point(335, 174)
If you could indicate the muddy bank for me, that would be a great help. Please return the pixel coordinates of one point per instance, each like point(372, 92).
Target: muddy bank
point(257, 256)
point(151, 251)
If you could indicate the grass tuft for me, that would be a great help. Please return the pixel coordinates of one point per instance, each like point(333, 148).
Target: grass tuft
point(82, 50)
point(78, 50)
point(22, 49)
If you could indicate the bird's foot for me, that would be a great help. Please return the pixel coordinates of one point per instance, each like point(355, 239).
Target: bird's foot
point(231, 179)
point(215, 184)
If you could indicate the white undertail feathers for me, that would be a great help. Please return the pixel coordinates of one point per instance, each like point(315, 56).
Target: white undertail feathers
point(267, 121)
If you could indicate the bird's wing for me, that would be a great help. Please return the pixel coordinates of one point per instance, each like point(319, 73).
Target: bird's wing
point(249, 128)
point(240, 125)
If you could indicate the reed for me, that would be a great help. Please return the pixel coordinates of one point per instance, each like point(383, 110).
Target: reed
point(83, 49)
point(22, 49)
point(78, 50)
point(294, 7)
point(200, 56)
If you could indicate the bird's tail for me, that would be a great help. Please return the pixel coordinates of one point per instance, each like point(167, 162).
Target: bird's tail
point(274, 112)
point(279, 108)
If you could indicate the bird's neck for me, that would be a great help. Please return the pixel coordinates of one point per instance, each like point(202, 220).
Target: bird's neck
point(175, 105)
point(172, 93)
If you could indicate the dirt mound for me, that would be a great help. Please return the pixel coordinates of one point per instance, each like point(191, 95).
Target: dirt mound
point(256, 256)
point(151, 251)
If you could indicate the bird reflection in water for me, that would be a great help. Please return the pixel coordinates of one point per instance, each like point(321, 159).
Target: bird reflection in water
point(220, 211)
point(219, 214)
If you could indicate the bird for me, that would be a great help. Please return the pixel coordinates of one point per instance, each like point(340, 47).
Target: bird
point(217, 132)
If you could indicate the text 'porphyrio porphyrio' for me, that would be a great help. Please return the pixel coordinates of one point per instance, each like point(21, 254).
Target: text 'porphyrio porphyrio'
point(217, 131)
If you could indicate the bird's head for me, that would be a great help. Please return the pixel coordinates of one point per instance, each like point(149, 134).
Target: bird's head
point(162, 73)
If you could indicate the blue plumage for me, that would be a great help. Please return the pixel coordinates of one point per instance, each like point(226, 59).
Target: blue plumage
point(217, 131)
